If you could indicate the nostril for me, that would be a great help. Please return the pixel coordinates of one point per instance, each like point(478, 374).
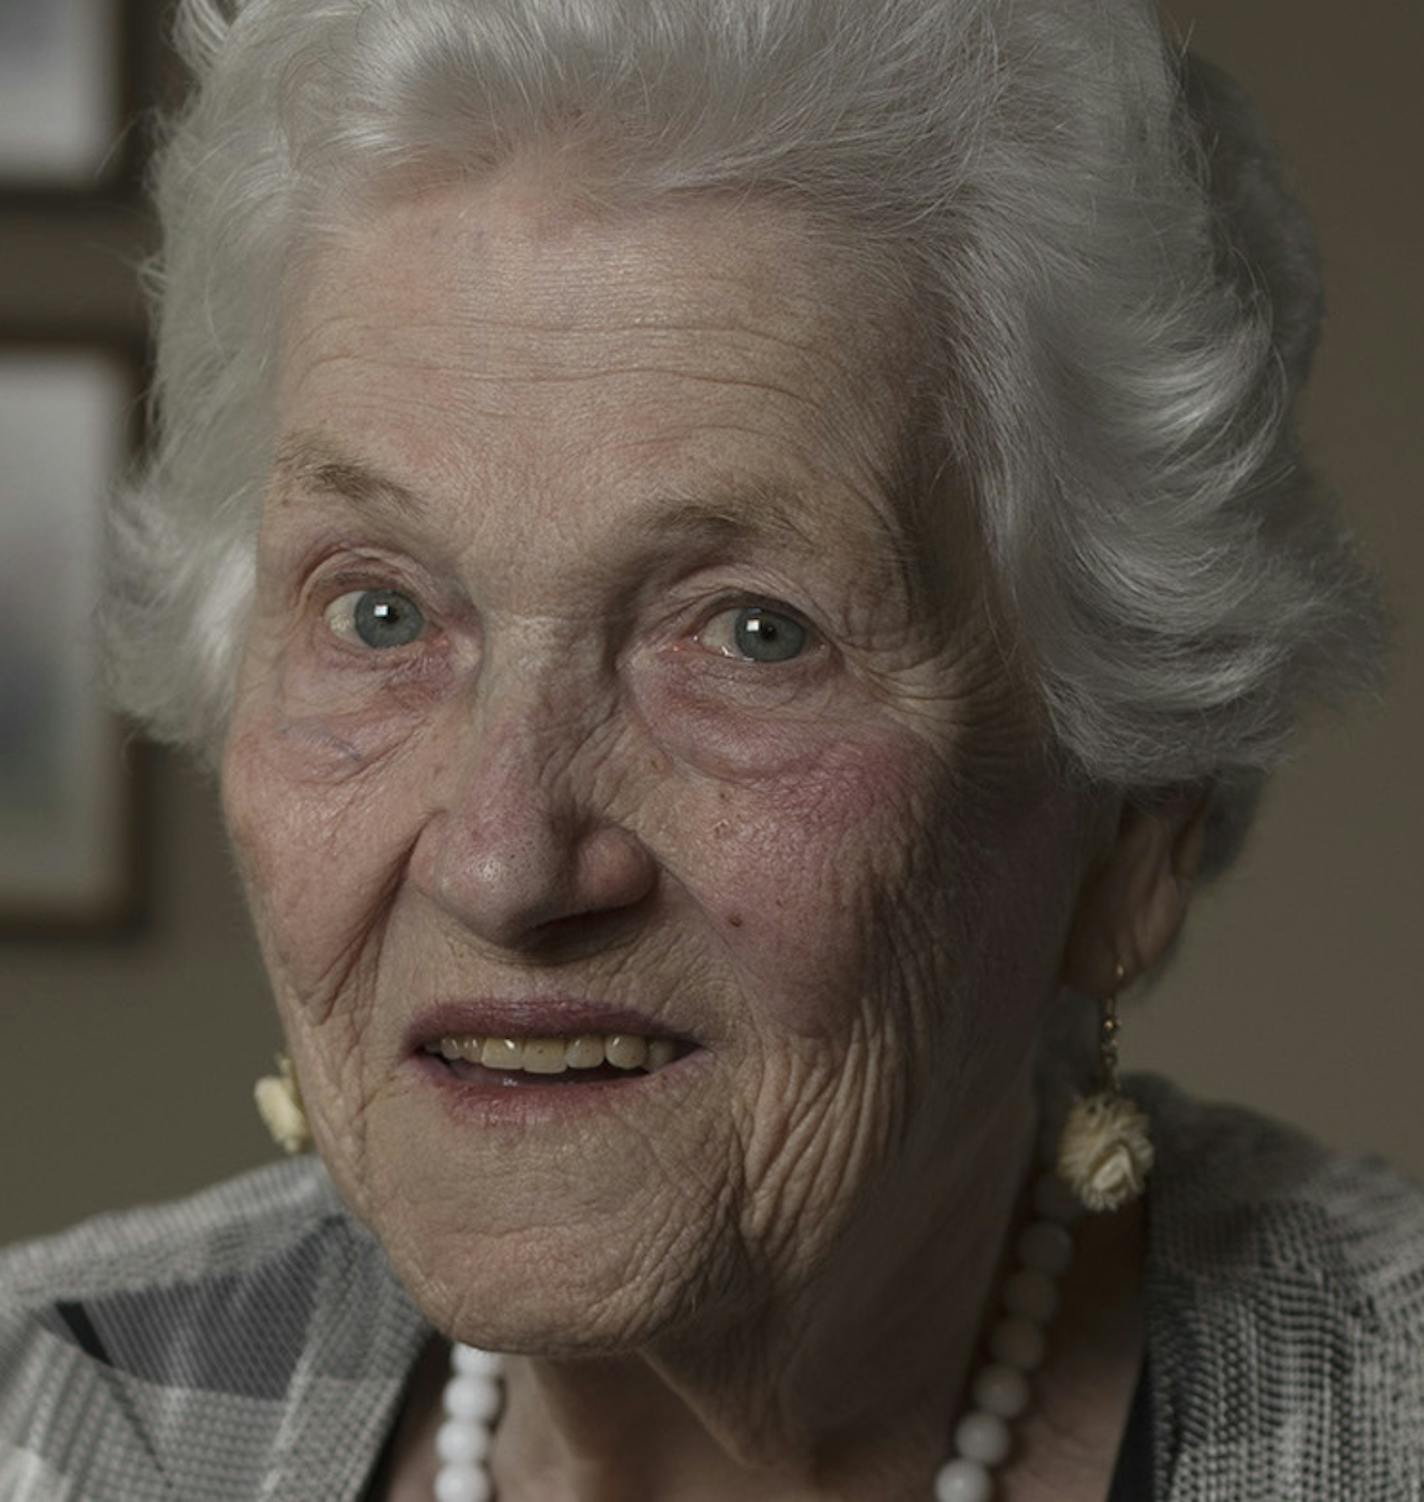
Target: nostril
point(531, 879)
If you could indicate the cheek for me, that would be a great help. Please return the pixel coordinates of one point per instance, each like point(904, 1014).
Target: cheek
point(874, 886)
point(322, 812)
point(794, 867)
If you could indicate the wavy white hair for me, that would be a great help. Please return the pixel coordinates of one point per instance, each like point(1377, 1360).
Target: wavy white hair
point(1123, 296)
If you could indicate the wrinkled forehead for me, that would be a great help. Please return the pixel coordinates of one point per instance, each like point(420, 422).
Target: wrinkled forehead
point(494, 324)
point(520, 235)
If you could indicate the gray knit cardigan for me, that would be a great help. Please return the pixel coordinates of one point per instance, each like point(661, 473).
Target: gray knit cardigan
point(251, 1342)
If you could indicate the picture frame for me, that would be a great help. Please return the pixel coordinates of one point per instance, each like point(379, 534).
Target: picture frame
point(70, 423)
point(69, 91)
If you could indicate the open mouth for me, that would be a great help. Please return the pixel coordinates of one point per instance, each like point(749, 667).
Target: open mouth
point(584, 1060)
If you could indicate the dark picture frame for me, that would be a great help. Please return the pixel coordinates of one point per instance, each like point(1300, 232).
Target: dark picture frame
point(72, 84)
point(70, 425)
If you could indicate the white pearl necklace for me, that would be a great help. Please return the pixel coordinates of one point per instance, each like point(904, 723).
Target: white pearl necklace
point(982, 1441)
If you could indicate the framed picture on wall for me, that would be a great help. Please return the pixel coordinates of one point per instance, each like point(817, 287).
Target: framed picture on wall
point(64, 93)
point(67, 820)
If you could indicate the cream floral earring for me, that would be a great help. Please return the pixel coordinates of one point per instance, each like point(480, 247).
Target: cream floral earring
point(279, 1103)
point(1104, 1152)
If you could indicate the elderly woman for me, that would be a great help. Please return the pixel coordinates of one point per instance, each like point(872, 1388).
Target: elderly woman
point(737, 561)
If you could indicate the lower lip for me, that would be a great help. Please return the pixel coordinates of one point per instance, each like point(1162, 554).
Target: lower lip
point(520, 1099)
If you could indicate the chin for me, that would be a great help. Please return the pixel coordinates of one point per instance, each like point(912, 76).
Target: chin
point(521, 1302)
point(505, 1281)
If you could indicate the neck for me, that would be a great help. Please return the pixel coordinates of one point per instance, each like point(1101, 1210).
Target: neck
point(849, 1388)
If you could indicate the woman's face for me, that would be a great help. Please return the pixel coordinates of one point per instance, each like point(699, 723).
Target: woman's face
point(593, 657)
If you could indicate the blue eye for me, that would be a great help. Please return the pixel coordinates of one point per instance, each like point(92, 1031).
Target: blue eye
point(758, 634)
point(378, 618)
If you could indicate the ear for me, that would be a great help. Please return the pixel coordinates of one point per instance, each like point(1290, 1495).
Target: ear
point(1133, 900)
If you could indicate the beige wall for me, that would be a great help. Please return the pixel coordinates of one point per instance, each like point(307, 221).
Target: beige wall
point(1300, 989)
point(126, 1068)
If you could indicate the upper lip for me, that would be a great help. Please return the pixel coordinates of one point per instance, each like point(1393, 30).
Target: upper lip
point(531, 1017)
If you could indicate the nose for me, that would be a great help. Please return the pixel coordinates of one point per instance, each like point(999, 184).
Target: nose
point(519, 850)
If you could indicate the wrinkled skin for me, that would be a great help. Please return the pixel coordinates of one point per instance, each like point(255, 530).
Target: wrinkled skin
point(849, 874)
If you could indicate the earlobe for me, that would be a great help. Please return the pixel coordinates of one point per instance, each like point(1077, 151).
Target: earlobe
point(1133, 902)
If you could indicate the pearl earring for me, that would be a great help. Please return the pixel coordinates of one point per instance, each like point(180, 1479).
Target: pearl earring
point(279, 1103)
point(1104, 1152)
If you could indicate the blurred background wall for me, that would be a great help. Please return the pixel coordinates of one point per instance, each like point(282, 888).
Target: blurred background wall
point(128, 1049)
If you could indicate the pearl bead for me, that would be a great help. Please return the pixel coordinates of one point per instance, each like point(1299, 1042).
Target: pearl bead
point(963, 1481)
point(1003, 1390)
point(472, 1398)
point(983, 1437)
point(1046, 1247)
point(461, 1442)
point(1017, 1342)
point(462, 1484)
point(468, 1361)
point(1032, 1294)
point(1055, 1201)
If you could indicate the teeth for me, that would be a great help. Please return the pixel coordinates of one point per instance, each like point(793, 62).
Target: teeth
point(555, 1055)
point(626, 1051)
point(585, 1052)
point(502, 1053)
point(544, 1055)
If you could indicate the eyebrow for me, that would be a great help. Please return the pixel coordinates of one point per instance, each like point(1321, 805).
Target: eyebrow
point(739, 511)
point(309, 463)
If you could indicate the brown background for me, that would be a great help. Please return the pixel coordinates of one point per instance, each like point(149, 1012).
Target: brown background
point(126, 1062)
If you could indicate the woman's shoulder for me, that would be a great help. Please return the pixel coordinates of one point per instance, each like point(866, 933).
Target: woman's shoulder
point(1237, 1193)
point(221, 1230)
point(164, 1351)
point(1285, 1309)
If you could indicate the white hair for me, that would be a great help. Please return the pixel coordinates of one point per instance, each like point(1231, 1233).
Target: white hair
point(1123, 296)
